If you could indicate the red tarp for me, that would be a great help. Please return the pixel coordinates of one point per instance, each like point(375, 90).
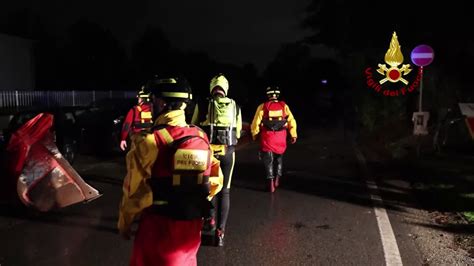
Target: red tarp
point(44, 179)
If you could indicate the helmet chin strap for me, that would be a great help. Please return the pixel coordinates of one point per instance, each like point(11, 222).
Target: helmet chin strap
point(273, 97)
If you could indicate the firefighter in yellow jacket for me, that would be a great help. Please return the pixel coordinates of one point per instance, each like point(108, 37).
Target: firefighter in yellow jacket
point(171, 176)
point(272, 120)
point(222, 121)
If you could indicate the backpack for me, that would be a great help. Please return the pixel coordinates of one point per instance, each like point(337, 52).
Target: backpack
point(145, 117)
point(220, 122)
point(274, 116)
point(188, 159)
point(181, 174)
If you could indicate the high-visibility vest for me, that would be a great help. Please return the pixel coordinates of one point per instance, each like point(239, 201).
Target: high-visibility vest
point(221, 121)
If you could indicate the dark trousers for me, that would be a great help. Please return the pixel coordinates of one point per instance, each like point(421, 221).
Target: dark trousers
point(273, 164)
point(222, 200)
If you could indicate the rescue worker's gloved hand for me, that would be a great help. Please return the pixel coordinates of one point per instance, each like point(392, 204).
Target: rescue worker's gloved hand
point(123, 145)
point(293, 140)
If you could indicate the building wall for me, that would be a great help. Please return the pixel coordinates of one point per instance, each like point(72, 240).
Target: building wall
point(16, 63)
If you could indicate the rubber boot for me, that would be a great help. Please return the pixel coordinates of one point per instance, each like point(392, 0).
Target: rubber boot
point(220, 237)
point(209, 224)
point(277, 181)
point(279, 168)
point(271, 185)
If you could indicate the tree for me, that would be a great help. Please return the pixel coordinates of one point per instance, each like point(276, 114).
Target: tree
point(23, 23)
point(93, 59)
point(361, 34)
point(301, 76)
point(288, 64)
point(153, 54)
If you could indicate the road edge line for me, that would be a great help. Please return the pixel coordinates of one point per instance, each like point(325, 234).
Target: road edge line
point(389, 242)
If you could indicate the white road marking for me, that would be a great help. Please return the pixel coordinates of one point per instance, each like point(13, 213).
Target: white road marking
point(389, 242)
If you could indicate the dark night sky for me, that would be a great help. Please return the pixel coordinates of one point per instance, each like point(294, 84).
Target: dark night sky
point(230, 31)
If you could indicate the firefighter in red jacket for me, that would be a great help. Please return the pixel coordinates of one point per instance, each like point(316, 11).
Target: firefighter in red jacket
point(272, 120)
point(171, 177)
point(138, 119)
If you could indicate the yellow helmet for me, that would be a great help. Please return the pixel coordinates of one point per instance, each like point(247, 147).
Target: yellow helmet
point(143, 93)
point(219, 81)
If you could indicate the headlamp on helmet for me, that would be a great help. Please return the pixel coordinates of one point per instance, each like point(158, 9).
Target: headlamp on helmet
point(273, 92)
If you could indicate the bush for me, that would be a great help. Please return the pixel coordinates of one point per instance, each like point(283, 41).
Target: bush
point(377, 111)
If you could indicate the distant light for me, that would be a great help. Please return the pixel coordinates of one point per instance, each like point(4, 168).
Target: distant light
point(324, 81)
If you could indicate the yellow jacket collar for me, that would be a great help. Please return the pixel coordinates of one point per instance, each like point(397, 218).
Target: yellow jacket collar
point(172, 118)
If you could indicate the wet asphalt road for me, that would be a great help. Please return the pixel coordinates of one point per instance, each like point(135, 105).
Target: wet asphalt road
point(320, 215)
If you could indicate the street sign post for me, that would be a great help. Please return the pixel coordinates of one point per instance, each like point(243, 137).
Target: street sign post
point(420, 120)
point(422, 55)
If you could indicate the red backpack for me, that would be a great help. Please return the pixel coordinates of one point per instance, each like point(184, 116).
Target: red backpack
point(274, 116)
point(185, 149)
point(143, 116)
point(181, 172)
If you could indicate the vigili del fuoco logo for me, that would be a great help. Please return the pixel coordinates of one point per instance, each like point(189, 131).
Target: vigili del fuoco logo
point(393, 80)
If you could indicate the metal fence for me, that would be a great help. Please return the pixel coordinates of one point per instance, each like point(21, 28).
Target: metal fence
point(23, 99)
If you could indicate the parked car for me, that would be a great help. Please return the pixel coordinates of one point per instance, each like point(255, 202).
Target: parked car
point(100, 126)
point(4, 123)
point(64, 127)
